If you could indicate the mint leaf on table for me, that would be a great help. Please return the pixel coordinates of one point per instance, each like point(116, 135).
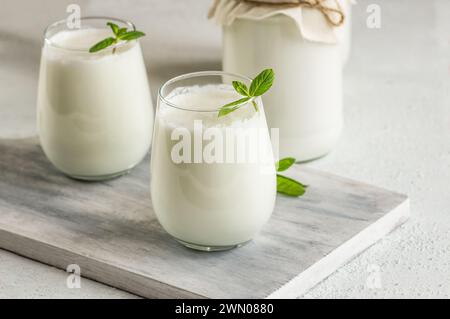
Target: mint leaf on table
point(285, 163)
point(290, 187)
point(287, 185)
point(120, 34)
point(260, 85)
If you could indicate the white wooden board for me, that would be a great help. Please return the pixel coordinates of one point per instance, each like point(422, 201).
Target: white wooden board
point(110, 231)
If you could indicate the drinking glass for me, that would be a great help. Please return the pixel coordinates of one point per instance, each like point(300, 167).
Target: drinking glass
point(213, 180)
point(95, 114)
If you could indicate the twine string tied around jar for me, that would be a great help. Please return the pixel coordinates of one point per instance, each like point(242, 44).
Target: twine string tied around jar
point(334, 15)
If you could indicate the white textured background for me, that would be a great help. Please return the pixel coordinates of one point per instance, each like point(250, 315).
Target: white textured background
point(397, 133)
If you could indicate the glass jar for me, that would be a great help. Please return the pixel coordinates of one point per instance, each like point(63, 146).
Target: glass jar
point(95, 114)
point(344, 32)
point(305, 102)
point(213, 180)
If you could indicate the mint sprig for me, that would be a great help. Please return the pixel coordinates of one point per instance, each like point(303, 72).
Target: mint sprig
point(286, 185)
point(260, 85)
point(233, 106)
point(120, 34)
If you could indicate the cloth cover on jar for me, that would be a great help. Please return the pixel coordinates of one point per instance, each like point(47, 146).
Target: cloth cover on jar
point(317, 20)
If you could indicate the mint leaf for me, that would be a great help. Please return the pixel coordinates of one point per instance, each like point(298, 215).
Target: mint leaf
point(241, 88)
point(226, 111)
point(233, 106)
point(285, 163)
point(119, 34)
point(131, 35)
point(114, 27)
point(286, 185)
point(262, 82)
point(258, 87)
point(102, 45)
point(289, 187)
point(121, 31)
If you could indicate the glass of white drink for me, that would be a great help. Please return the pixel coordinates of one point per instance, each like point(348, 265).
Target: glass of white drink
point(95, 114)
point(213, 179)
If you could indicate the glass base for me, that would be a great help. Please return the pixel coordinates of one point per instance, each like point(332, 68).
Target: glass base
point(100, 177)
point(209, 248)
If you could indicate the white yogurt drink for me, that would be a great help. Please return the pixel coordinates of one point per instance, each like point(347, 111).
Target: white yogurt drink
point(305, 102)
point(210, 203)
point(95, 114)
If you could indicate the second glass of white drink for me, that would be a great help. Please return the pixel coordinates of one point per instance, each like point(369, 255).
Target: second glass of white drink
point(95, 114)
point(213, 178)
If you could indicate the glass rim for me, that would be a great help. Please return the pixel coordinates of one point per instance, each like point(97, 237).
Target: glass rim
point(200, 74)
point(58, 23)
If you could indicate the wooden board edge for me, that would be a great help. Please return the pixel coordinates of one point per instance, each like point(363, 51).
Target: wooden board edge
point(343, 254)
point(90, 268)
